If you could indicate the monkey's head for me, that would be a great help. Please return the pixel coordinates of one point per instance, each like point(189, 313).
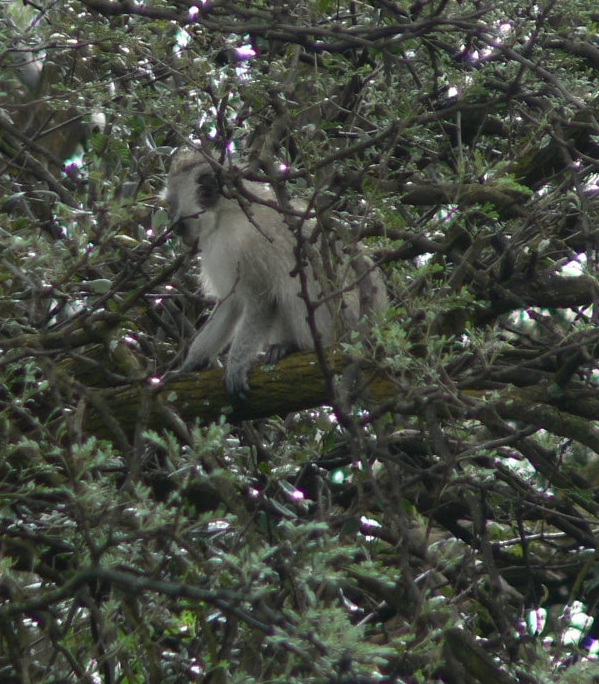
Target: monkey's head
point(193, 188)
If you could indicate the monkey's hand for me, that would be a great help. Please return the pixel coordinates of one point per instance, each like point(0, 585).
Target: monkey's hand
point(175, 373)
point(193, 364)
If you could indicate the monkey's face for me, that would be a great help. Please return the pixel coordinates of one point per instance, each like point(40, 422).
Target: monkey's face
point(191, 192)
point(207, 187)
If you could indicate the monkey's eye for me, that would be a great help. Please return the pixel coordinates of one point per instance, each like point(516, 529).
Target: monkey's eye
point(208, 190)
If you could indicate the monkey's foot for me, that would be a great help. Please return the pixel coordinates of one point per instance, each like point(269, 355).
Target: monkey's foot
point(276, 352)
point(238, 387)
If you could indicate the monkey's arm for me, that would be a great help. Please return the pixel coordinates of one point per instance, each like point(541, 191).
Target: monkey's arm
point(214, 335)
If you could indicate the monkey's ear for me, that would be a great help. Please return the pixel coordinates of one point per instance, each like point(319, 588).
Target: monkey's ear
point(208, 188)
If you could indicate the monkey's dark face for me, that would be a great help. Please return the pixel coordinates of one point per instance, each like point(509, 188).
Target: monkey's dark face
point(207, 189)
point(192, 191)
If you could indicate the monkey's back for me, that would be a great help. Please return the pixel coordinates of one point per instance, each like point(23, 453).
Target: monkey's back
point(255, 253)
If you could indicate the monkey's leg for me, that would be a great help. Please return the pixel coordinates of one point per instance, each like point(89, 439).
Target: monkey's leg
point(214, 335)
point(249, 339)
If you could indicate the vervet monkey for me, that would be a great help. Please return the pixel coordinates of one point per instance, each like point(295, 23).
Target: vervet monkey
point(249, 265)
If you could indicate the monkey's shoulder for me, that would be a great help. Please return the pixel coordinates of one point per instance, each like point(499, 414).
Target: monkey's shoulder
point(251, 222)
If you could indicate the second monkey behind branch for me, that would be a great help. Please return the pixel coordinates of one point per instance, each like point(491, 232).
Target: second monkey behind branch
point(250, 266)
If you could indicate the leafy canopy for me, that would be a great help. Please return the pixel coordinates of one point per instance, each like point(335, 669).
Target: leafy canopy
point(419, 505)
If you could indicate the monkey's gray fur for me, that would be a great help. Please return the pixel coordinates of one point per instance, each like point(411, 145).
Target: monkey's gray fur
point(249, 265)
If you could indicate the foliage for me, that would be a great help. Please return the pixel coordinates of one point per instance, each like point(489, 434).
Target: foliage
point(431, 519)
